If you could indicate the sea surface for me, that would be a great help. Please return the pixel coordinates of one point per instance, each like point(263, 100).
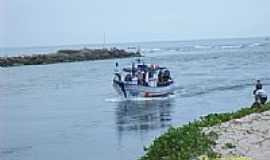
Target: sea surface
point(70, 110)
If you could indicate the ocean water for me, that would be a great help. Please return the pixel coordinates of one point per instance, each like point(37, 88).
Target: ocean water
point(70, 110)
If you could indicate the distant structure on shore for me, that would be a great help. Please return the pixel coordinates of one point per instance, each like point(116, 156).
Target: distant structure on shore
point(67, 55)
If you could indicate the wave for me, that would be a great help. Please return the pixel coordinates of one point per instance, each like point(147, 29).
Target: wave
point(201, 47)
point(198, 47)
point(155, 49)
point(150, 50)
point(14, 149)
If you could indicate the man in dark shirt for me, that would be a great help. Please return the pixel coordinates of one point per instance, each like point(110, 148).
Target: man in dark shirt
point(258, 86)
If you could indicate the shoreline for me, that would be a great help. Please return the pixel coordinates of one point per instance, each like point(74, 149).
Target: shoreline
point(68, 55)
point(211, 136)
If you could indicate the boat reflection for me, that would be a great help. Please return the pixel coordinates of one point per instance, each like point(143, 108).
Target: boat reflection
point(143, 115)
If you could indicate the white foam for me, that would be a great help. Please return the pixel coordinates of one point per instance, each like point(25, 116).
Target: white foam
point(116, 99)
point(255, 44)
point(155, 49)
point(121, 99)
point(231, 46)
point(202, 47)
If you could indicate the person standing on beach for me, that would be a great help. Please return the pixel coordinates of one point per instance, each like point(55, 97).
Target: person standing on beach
point(259, 93)
point(258, 86)
point(261, 96)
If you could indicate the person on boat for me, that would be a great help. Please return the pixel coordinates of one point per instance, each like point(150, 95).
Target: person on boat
point(143, 78)
point(128, 78)
point(160, 78)
point(117, 71)
point(140, 78)
point(146, 78)
point(135, 80)
point(133, 70)
point(167, 75)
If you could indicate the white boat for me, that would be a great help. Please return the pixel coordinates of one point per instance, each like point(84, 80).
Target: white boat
point(143, 80)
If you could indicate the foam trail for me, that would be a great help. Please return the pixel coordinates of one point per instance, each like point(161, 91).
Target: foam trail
point(231, 46)
point(202, 47)
point(121, 99)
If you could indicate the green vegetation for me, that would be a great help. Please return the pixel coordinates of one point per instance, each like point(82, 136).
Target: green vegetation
point(67, 56)
point(188, 141)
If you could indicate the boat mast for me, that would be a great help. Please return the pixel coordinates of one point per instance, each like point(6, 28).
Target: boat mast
point(104, 40)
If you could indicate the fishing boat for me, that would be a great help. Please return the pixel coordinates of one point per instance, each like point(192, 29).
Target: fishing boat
point(143, 80)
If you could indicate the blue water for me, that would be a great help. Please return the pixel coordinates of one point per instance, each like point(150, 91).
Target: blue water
point(70, 110)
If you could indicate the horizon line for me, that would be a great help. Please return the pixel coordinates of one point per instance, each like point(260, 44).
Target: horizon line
point(117, 43)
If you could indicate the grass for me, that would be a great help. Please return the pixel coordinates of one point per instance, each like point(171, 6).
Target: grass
point(188, 141)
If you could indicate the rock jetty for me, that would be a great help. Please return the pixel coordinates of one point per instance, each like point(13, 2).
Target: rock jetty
point(67, 55)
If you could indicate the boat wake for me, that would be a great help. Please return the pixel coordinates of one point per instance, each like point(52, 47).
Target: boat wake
point(122, 99)
point(202, 90)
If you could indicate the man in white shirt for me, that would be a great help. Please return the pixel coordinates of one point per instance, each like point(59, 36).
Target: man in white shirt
point(260, 96)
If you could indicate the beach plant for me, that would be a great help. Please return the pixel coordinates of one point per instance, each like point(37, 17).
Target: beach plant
point(229, 145)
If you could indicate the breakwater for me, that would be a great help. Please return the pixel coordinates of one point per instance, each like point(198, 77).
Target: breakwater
point(67, 55)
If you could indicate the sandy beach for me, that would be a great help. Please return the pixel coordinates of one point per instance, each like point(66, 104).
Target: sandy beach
point(248, 136)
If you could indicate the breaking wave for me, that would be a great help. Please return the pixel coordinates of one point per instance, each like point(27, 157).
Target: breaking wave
point(198, 47)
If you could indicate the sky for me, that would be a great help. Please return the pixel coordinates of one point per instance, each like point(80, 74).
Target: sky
point(62, 22)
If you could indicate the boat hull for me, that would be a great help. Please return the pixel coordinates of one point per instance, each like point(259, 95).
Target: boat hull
point(133, 90)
